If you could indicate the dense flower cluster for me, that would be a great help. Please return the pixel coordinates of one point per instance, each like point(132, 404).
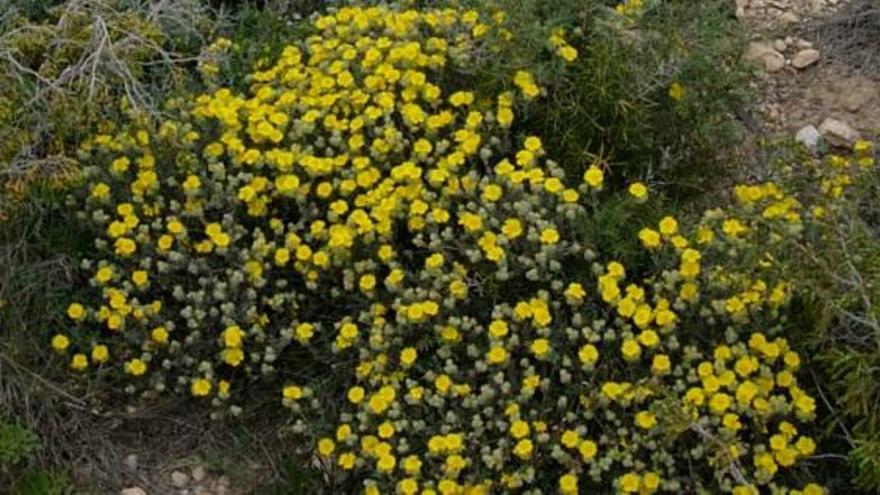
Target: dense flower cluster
point(357, 208)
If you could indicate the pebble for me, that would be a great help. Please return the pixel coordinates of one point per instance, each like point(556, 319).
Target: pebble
point(135, 490)
point(838, 133)
point(789, 18)
point(774, 61)
point(805, 58)
point(766, 54)
point(179, 479)
point(804, 44)
point(809, 136)
point(779, 45)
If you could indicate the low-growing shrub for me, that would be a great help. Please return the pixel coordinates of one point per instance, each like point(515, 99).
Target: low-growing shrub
point(416, 280)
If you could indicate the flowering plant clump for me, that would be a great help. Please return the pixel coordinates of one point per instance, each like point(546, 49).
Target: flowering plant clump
point(352, 210)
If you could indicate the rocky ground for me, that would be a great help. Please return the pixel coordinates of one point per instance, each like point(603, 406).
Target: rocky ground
point(805, 89)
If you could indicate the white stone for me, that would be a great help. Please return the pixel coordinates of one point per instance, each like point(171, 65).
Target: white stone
point(808, 136)
point(805, 58)
point(779, 45)
point(838, 133)
point(133, 491)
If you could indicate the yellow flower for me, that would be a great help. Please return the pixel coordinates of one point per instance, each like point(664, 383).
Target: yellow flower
point(76, 311)
point(356, 394)
point(496, 355)
point(492, 193)
point(646, 420)
point(594, 177)
point(104, 274)
point(443, 383)
point(523, 449)
point(588, 354)
point(549, 236)
point(519, 429)
point(629, 483)
point(570, 439)
point(676, 91)
point(650, 238)
point(136, 367)
point(540, 347)
point(408, 356)
point(233, 356)
point(367, 282)
point(719, 403)
point(159, 335)
point(638, 190)
point(568, 53)
point(588, 450)
point(668, 226)
point(661, 364)
point(631, 349)
point(568, 484)
point(498, 328)
point(200, 387)
point(79, 362)
point(60, 343)
point(326, 446)
point(100, 354)
point(304, 332)
point(512, 228)
point(140, 278)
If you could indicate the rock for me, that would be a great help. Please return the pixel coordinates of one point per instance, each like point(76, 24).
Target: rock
point(789, 18)
point(179, 479)
point(766, 55)
point(779, 45)
point(789, 40)
point(803, 44)
point(199, 474)
point(805, 58)
point(133, 491)
point(839, 134)
point(774, 61)
point(809, 136)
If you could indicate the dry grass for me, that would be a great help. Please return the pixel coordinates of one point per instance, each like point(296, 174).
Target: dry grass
point(852, 35)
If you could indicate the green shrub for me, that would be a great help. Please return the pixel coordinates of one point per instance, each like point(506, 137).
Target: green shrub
point(654, 93)
point(17, 444)
point(838, 268)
